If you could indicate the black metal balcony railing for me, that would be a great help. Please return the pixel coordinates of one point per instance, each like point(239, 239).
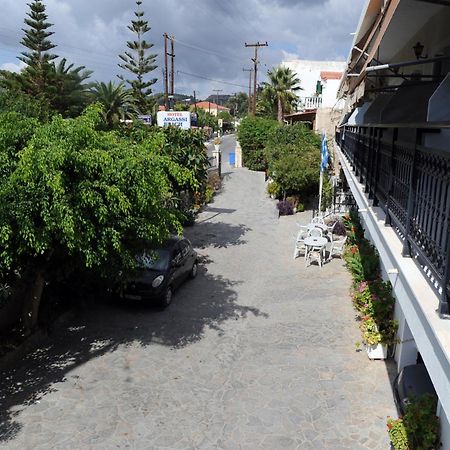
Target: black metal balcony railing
point(411, 183)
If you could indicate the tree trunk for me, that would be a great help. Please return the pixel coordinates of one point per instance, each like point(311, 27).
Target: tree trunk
point(280, 109)
point(32, 301)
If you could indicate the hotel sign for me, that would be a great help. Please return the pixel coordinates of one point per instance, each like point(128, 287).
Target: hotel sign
point(181, 119)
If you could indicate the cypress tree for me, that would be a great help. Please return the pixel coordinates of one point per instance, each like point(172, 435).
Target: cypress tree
point(37, 73)
point(137, 61)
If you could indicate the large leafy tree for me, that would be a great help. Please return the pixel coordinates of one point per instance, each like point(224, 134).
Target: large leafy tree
point(281, 88)
point(238, 104)
point(117, 102)
point(78, 197)
point(36, 77)
point(139, 62)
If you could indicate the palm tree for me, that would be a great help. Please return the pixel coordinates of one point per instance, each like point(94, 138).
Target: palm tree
point(71, 91)
point(283, 83)
point(116, 100)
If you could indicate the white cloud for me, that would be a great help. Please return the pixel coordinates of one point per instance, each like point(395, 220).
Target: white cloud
point(12, 67)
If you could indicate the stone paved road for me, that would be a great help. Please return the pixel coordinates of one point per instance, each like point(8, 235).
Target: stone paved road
point(256, 353)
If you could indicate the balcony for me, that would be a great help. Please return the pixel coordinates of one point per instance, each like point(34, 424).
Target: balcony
point(411, 184)
point(309, 103)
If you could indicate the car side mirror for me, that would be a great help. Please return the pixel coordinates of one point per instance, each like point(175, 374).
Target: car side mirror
point(174, 263)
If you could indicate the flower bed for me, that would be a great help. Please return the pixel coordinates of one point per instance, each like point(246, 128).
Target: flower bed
point(372, 297)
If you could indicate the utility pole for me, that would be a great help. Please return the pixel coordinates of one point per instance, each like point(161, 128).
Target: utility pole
point(217, 98)
point(172, 69)
point(255, 68)
point(195, 104)
point(168, 92)
point(166, 73)
point(250, 71)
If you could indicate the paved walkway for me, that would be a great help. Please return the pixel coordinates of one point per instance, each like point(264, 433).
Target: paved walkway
point(257, 353)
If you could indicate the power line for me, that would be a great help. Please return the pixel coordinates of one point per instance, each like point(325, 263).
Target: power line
point(211, 79)
point(205, 50)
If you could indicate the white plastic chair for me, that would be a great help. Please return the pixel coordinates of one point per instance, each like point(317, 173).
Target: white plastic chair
point(337, 247)
point(300, 246)
point(318, 219)
point(331, 228)
point(315, 232)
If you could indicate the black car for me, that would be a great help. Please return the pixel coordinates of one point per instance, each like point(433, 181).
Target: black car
point(412, 382)
point(160, 271)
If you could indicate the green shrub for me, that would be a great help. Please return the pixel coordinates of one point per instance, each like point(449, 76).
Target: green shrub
point(18, 102)
point(253, 133)
point(293, 159)
point(296, 172)
point(209, 194)
point(397, 433)
point(297, 134)
point(273, 188)
point(418, 429)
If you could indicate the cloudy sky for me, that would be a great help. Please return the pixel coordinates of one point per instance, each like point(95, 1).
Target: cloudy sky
point(210, 35)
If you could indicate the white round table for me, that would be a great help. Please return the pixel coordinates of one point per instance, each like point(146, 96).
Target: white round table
point(316, 245)
point(316, 241)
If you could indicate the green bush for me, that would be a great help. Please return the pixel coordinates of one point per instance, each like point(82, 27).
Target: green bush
point(253, 133)
point(418, 429)
point(297, 134)
point(16, 101)
point(296, 172)
point(273, 188)
point(293, 158)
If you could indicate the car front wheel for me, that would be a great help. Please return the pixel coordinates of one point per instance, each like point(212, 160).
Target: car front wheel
point(194, 271)
point(167, 298)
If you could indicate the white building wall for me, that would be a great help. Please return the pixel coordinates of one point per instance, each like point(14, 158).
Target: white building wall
point(309, 74)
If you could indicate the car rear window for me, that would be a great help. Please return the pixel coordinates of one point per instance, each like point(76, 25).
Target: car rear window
point(154, 259)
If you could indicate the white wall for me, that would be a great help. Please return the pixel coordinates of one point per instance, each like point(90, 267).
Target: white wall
point(309, 74)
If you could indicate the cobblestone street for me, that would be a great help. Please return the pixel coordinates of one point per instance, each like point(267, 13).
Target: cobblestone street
point(258, 352)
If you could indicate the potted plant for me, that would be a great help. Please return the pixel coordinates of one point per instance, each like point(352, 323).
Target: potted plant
point(378, 337)
point(375, 304)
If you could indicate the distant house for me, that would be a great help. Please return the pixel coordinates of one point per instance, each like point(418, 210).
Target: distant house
point(319, 81)
point(212, 108)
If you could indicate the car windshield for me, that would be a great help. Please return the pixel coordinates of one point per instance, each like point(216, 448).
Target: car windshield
point(154, 259)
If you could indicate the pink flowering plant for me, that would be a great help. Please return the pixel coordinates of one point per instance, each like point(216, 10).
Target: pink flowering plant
point(372, 297)
point(375, 305)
